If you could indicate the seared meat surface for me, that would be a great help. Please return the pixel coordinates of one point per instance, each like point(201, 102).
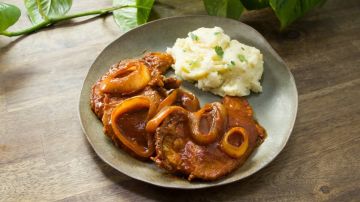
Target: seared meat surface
point(178, 152)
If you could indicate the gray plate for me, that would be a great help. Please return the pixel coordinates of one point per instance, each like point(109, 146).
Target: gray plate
point(275, 108)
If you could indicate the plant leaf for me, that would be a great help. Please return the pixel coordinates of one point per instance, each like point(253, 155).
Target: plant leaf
point(288, 11)
point(224, 8)
point(40, 10)
point(9, 15)
point(128, 18)
point(255, 4)
point(143, 14)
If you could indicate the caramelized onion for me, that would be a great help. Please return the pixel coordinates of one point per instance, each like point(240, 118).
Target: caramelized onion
point(188, 100)
point(128, 79)
point(232, 150)
point(154, 123)
point(218, 117)
point(126, 106)
point(169, 100)
point(155, 99)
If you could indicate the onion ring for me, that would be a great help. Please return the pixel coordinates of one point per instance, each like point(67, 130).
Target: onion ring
point(219, 120)
point(128, 105)
point(169, 100)
point(129, 79)
point(231, 150)
point(188, 100)
point(154, 123)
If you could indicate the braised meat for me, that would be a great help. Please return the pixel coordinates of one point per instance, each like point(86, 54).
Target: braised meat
point(131, 122)
point(180, 151)
point(140, 78)
point(150, 117)
point(130, 77)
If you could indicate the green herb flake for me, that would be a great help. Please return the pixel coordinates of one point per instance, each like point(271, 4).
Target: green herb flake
point(242, 48)
point(232, 63)
point(217, 33)
point(241, 58)
point(194, 37)
point(219, 51)
point(185, 70)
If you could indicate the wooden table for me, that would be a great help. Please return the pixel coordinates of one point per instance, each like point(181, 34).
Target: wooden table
point(45, 156)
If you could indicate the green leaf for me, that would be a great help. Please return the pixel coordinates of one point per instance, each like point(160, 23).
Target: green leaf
point(224, 8)
point(219, 51)
point(128, 18)
point(9, 15)
point(288, 11)
point(143, 14)
point(41, 10)
point(255, 4)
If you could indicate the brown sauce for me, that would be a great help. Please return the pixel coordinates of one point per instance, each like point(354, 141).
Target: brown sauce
point(132, 125)
point(235, 139)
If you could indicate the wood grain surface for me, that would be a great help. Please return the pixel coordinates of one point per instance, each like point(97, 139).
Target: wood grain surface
point(44, 155)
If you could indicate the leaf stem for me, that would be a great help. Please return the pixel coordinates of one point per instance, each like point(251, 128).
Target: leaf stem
point(53, 20)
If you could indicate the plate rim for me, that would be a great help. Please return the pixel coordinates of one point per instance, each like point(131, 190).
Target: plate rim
point(202, 186)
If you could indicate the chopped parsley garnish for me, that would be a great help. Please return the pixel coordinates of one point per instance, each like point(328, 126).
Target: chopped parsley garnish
point(241, 58)
point(193, 36)
point(217, 33)
point(219, 51)
point(185, 70)
point(232, 63)
point(194, 64)
point(242, 48)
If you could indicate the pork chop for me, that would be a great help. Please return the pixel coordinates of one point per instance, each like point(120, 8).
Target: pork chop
point(178, 152)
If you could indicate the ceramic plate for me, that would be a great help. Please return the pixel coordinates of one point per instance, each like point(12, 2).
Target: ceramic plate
point(275, 108)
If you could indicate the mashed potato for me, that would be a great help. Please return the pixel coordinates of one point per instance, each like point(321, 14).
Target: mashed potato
point(216, 63)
